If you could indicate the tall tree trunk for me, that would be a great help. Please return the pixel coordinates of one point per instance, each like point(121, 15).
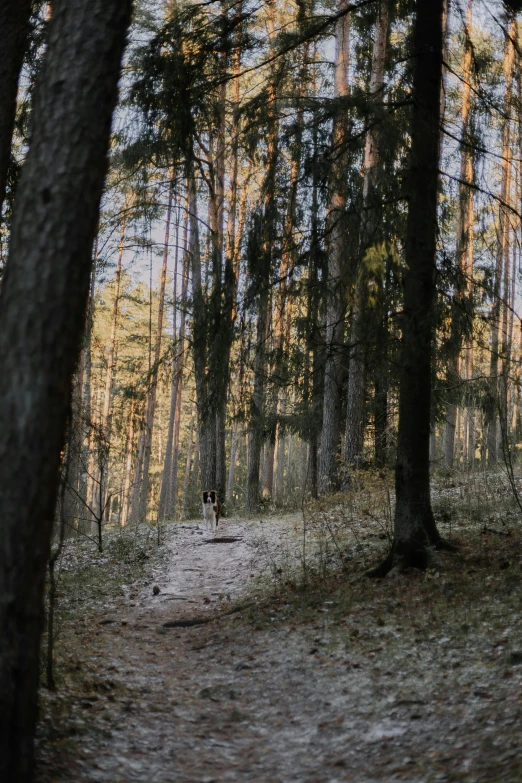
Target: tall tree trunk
point(256, 419)
point(414, 524)
point(88, 451)
point(188, 463)
point(84, 516)
point(14, 24)
point(314, 337)
point(206, 421)
point(105, 424)
point(510, 268)
point(134, 513)
point(288, 259)
point(381, 370)
point(234, 450)
point(180, 364)
point(222, 341)
point(335, 297)
point(231, 249)
point(153, 388)
point(370, 225)
point(502, 249)
point(165, 505)
point(219, 344)
point(196, 469)
point(464, 249)
point(124, 514)
point(42, 315)
point(262, 282)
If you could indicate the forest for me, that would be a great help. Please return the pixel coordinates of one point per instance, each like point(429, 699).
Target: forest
point(270, 248)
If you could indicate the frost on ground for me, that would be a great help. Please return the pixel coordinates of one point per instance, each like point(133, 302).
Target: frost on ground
point(414, 678)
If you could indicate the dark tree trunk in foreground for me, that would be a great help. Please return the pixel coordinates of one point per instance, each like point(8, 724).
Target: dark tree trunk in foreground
point(42, 313)
point(414, 526)
point(14, 24)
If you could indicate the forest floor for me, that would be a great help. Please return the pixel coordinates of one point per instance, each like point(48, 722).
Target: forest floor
point(319, 675)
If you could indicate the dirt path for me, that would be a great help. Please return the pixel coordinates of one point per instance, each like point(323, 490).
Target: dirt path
point(372, 683)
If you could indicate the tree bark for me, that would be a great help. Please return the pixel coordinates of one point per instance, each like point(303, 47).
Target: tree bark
point(220, 299)
point(234, 450)
point(151, 397)
point(335, 299)
point(196, 471)
point(362, 320)
point(502, 251)
point(188, 463)
point(315, 344)
point(84, 517)
point(124, 514)
point(180, 364)
point(42, 314)
point(262, 272)
point(288, 262)
point(105, 424)
point(200, 349)
point(464, 249)
point(256, 419)
point(14, 24)
point(165, 505)
point(414, 524)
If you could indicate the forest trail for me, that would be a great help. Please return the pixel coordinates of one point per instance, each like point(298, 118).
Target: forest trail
point(391, 688)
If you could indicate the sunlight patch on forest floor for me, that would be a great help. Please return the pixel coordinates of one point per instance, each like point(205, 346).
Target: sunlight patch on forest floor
point(328, 676)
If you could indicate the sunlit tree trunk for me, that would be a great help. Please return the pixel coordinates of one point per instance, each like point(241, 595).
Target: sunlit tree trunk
point(234, 450)
point(196, 469)
point(335, 298)
point(188, 464)
point(168, 492)
point(150, 413)
point(105, 424)
point(172, 496)
point(124, 514)
point(502, 251)
point(43, 302)
point(137, 474)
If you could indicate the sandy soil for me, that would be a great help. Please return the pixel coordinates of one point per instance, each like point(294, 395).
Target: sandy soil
point(414, 679)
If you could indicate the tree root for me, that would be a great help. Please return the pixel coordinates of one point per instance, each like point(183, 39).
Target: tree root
point(443, 545)
point(190, 623)
point(222, 540)
point(415, 556)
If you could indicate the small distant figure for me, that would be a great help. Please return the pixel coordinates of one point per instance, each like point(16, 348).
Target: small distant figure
point(211, 510)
